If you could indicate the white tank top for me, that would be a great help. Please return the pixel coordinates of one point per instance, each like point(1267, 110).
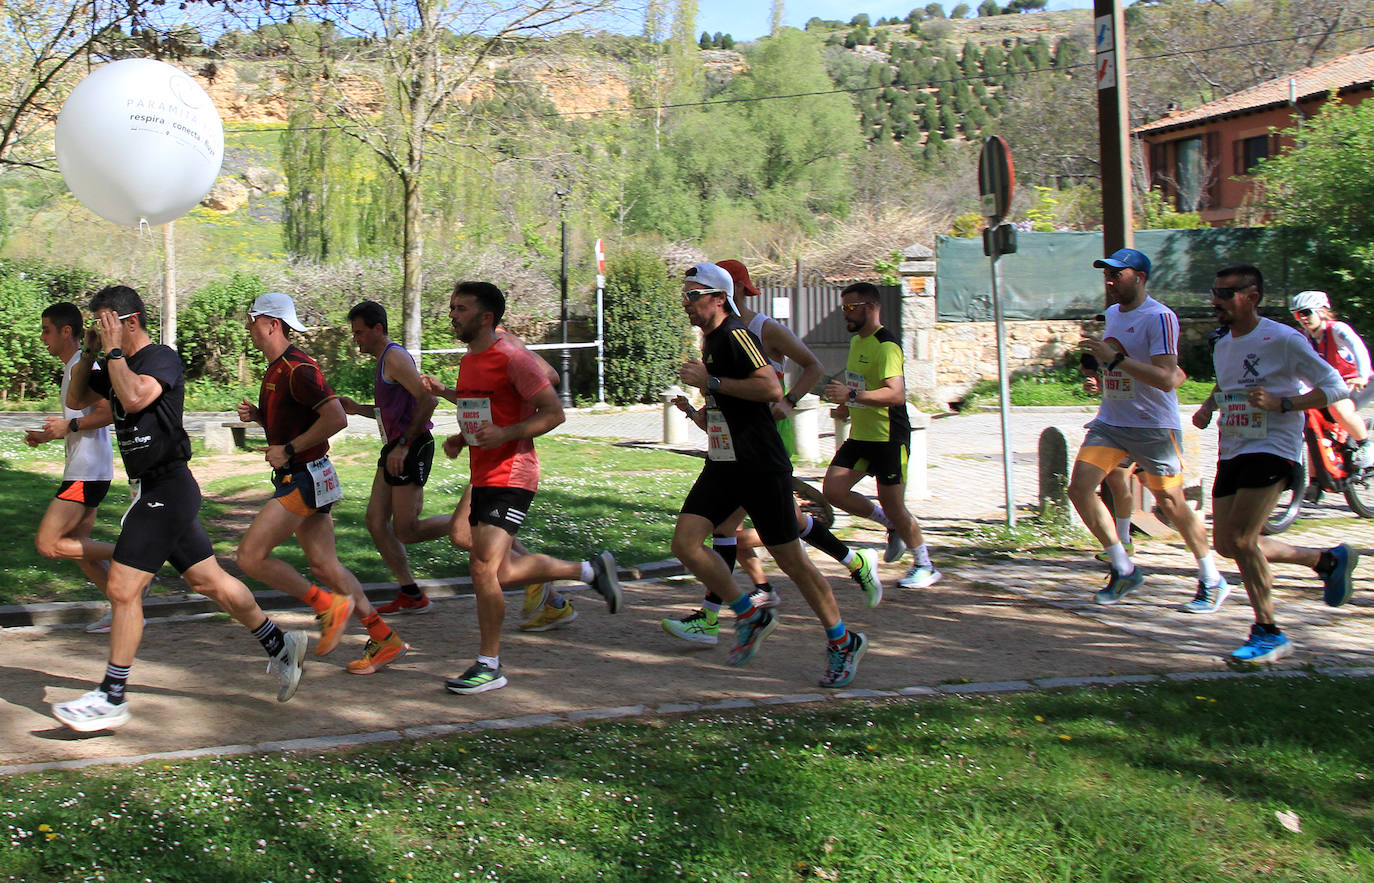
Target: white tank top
point(89, 455)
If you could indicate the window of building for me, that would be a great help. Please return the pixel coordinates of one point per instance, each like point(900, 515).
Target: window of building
point(1189, 173)
point(1252, 150)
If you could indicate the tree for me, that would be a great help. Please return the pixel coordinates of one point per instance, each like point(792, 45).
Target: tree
point(935, 10)
point(430, 53)
point(989, 8)
point(959, 11)
point(705, 41)
point(1321, 190)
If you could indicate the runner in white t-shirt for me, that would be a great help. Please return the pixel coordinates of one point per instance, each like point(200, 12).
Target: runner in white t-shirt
point(65, 531)
point(1138, 419)
point(1262, 369)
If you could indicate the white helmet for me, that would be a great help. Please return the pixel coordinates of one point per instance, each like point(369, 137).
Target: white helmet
point(1310, 300)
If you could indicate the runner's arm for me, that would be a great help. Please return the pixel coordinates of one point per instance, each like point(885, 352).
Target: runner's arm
point(549, 371)
point(777, 337)
point(356, 408)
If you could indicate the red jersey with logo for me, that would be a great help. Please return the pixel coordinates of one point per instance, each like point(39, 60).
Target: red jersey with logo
point(502, 379)
point(292, 392)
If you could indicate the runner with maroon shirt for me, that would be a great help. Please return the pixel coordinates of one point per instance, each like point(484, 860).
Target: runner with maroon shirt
point(300, 412)
point(504, 402)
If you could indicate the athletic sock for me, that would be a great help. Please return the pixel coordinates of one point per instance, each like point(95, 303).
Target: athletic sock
point(491, 662)
point(742, 606)
point(880, 516)
point(588, 573)
point(1121, 562)
point(377, 630)
point(923, 556)
point(1269, 628)
point(1207, 570)
point(412, 590)
point(1123, 529)
point(711, 606)
point(318, 599)
point(1326, 563)
point(727, 548)
point(837, 635)
point(272, 638)
point(558, 602)
point(820, 537)
point(764, 586)
point(116, 676)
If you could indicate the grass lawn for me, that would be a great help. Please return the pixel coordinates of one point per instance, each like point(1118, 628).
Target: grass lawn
point(1165, 782)
point(593, 495)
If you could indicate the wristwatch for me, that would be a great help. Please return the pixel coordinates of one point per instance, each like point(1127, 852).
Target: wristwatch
point(290, 451)
point(1285, 404)
point(71, 425)
point(403, 442)
point(713, 384)
point(853, 395)
point(792, 399)
point(114, 354)
point(1120, 357)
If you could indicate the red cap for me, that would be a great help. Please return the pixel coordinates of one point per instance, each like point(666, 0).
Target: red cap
point(740, 274)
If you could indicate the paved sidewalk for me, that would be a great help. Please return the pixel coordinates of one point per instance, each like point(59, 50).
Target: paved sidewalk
point(994, 620)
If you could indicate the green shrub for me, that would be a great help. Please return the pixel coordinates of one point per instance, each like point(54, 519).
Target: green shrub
point(211, 332)
point(646, 330)
point(25, 365)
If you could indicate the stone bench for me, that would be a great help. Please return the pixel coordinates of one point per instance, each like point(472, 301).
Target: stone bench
point(231, 435)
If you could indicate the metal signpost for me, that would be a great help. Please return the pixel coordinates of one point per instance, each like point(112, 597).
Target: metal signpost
point(996, 178)
point(600, 323)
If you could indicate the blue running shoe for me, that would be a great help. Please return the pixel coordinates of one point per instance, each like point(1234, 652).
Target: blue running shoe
point(749, 633)
point(1118, 586)
point(1337, 584)
point(1261, 647)
point(1208, 598)
point(842, 664)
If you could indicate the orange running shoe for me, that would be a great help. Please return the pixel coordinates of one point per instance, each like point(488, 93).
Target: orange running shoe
point(333, 622)
point(379, 654)
point(403, 603)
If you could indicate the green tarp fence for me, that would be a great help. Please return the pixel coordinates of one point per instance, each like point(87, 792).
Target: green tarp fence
point(1051, 276)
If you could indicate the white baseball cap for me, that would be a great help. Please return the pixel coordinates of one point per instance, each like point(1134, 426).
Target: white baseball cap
point(1310, 300)
point(278, 306)
point(715, 277)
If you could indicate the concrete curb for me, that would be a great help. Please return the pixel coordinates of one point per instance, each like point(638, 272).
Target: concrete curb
point(584, 715)
point(73, 613)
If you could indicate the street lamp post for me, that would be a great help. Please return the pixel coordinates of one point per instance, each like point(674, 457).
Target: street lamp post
point(565, 387)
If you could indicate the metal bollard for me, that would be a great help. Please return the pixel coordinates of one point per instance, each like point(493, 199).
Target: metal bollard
point(806, 428)
point(917, 482)
point(674, 421)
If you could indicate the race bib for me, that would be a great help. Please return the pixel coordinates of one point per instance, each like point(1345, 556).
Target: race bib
point(856, 384)
point(327, 487)
point(381, 427)
point(1239, 418)
point(135, 491)
point(1118, 386)
point(473, 414)
point(719, 445)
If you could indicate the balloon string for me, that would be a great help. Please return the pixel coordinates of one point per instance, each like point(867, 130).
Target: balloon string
point(143, 228)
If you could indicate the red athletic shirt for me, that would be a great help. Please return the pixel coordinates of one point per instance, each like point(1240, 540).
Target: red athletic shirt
point(505, 378)
point(292, 392)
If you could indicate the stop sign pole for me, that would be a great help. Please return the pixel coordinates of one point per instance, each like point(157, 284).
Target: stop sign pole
point(996, 178)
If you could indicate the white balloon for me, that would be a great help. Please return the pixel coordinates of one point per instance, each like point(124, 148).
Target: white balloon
point(139, 140)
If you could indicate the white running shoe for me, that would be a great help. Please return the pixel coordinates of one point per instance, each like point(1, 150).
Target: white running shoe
point(288, 665)
point(92, 712)
point(920, 576)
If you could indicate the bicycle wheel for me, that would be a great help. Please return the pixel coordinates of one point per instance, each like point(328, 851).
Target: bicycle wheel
point(1359, 489)
point(1290, 501)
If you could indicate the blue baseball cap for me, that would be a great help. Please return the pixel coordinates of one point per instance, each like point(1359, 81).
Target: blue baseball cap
point(1126, 257)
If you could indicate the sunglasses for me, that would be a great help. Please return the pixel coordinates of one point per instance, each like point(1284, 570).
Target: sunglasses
point(1228, 293)
point(1302, 314)
point(849, 308)
point(95, 323)
point(1114, 272)
point(698, 292)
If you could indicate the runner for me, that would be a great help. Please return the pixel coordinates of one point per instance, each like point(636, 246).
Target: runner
point(872, 395)
point(145, 385)
point(747, 467)
point(300, 413)
point(1343, 350)
point(505, 401)
point(402, 406)
point(731, 541)
point(1138, 420)
point(1262, 368)
point(65, 531)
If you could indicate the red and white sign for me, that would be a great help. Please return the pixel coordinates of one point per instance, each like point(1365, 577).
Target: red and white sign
point(600, 265)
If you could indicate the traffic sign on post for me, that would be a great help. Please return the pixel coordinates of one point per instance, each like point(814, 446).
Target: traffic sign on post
point(996, 179)
point(600, 265)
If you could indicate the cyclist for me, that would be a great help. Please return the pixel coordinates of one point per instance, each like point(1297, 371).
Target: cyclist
point(1342, 348)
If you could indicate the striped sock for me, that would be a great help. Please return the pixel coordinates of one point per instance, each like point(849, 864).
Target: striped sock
point(272, 638)
point(116, 676)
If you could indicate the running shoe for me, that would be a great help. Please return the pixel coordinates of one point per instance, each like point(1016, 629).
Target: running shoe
point(536, 596)
point(605, 581)
point(1208, 598)
point(333, 622)
point(288, 664)
point(1337, 584)
point(404, 603)
point(1119, 585)
point(749, 633)
point(92, 711)
point(377, 655)
point(895, 547)
point(102, 625)
point(765, 598)
point(920, 576)
point(702, 627)
point(1363, 456)
point(842, 664)
point(866, 575)
point(549, 617)
point(1107, 559)
point(477, 679)
point(1261, 647)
